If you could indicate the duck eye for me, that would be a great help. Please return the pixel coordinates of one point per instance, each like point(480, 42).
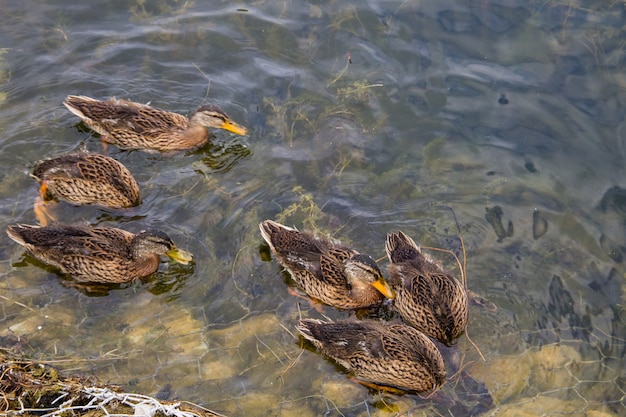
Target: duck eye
point(368, 268)
point(216, 115)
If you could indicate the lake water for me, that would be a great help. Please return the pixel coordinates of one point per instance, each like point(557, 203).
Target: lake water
point(363, 118)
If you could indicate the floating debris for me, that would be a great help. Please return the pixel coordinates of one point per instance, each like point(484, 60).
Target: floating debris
point(28, 387)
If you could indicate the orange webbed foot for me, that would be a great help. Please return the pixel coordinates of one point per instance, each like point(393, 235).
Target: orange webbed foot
point(376, 387)
point(319, 307)
point(105, 146)
point(42, 213)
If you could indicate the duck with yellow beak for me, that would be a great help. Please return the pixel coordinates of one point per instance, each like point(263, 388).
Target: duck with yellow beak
point(132, 125)
point(325, 269)
point(98, 254)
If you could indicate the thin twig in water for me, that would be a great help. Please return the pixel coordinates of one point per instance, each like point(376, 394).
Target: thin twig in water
point(268, 348)
point(343, 71)
point(292, 363)
point(285, 328)
point(462, 268)
point(232, 274)
point(467, 336)
point(208, 81)
point(457, 373)
point(16, 302)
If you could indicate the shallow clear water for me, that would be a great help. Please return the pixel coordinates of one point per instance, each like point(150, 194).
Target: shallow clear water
point(363, 119)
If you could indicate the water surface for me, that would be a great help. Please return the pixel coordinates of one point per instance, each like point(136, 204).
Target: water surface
point(363, 119)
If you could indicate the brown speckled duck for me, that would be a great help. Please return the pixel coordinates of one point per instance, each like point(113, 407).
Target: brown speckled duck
point(379, 355)
point(84, 178)
point(97, 254)
point(131, 125)
point(325, 269)
point(427, 297)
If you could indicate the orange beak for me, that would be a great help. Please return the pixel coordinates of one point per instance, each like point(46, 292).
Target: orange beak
point(234, 127)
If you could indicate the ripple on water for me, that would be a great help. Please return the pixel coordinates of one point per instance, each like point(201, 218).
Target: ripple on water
point(363, 119)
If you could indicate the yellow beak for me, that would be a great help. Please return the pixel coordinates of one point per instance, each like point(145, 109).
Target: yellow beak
point(384, 288)
point(234, 127)
point(180, 256)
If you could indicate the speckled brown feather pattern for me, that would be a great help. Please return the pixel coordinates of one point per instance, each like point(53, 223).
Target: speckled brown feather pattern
point(427, 297)
point(88, 178)
point(132, 125)
point(323, 268)
point(94, 254)
point(388, 355)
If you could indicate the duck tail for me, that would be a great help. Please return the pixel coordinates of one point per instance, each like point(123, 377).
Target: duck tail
point(401, 248)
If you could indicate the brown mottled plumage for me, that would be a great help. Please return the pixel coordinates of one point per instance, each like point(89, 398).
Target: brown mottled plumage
point(325, 269)
point(97, 254)
point(427, 297)
point(85, 178)
point(131, 125)
point(384, 355)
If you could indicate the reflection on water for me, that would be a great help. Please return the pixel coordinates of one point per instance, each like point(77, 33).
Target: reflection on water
point(362, 119)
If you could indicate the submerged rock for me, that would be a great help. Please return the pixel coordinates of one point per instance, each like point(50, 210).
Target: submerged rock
point(538, 382)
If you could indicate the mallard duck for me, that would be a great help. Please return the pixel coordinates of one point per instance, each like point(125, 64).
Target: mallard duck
point(84, 178)
point(325, 269)
point(379, 355)
point(97, 254)
point(131, 125)
point(427, 297)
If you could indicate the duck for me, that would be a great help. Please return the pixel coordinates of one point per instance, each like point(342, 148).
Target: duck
point(83, 178)
point(380, 355)
point(98, 254)
point(131, 125)
point(325, 269)
point(427, 297)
